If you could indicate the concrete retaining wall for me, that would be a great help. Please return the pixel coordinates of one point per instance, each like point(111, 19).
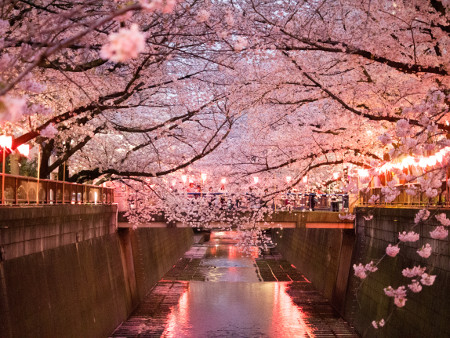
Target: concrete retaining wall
point(426, 314)
point(83, 284)
point(30, 229)
point(323, 256)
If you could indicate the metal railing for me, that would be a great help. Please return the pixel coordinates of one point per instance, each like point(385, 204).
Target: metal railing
point(30, 190)
point(287, 201)
point(404, 200)
point(304, 201)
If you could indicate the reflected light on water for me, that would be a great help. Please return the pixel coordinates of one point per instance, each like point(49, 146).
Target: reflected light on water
point(179, 317)
point(236, 310)
point(286, 313)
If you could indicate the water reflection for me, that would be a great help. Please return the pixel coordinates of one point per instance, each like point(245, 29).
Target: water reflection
point(237, 304)
point(237, 309)
point(225, 297)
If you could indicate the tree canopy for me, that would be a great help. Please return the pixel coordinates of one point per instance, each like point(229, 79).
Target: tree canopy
point(236, 88)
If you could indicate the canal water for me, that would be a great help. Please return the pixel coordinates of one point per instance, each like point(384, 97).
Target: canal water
point(215, 291)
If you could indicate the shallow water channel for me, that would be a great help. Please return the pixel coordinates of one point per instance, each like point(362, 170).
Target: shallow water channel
point(215, 291)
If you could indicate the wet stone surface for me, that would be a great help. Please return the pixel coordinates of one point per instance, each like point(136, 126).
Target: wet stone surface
point(214, 291)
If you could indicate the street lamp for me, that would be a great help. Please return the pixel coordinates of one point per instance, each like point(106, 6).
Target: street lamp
point(5, 142)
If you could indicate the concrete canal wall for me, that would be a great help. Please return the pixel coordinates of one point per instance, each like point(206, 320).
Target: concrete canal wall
point(323, 256)
point(426, 314)
point(326, 257)
point(67, 271)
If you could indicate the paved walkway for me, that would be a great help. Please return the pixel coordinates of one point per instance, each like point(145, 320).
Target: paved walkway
point(214, 291)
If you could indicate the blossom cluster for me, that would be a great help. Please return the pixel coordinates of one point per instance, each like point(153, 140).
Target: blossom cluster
point(398, 294)
point(349, 217)
point(442, 218)
point(425, 251)
point(124, 45)
point(360, 270)
point(411, 236)
point(439, 233)
point(392, 250)
point(422, 215)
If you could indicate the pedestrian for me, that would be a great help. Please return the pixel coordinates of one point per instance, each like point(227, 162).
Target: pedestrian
point(312, 201)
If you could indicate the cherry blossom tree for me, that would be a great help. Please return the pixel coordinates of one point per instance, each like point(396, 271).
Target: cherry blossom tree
point(250, 91)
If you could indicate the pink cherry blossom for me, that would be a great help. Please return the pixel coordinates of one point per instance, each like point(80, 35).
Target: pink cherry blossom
point(240, 44)
point(203, 15)
point(425, 251)
point(439, 233)
point(399, 301)
point(422, 215)
point(373, 199)
point(442, 218)
point(49, 132)
point(392, 250)
point(385, 138)
point(427, 279)
point(415, 271)
point(411, 236)
point(360, 271)
point(124, 45)
point(389, 291)
point(4, 26)
point(371, 267)
point(415, 286)
point(399, 292)
point(11, 108)
point(411, 191)
point(403, 128)
point(349, 217)
point(430, 192)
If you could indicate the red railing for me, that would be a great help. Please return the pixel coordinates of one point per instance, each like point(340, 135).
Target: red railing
point(30, 190)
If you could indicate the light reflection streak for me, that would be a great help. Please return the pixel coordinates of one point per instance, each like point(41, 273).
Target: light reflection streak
point(179, 316)
point(286, 316)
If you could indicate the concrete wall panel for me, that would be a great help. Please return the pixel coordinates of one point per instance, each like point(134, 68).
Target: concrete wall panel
point(72, 273)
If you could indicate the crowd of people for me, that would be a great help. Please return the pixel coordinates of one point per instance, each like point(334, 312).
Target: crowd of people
point(311, 200)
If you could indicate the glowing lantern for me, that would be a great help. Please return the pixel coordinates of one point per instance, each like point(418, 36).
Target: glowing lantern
point(203, 176)
point(407, 161)
point(423, 162)
point(288, 178)
point(24, 149)
point(184, 178)
point(305, 179)
point(255, 179)
point(335, 176)
point(223, 180)
point(174, 182)
point(431, 161)
point(5, 141)
point(363, 173)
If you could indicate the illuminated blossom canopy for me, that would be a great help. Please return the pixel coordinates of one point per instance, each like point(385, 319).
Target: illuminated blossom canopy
point(249, 97)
